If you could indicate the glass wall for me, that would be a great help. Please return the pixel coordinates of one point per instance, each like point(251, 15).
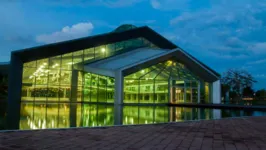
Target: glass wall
point(151, 85)
point(62, 78)
point(98, 88)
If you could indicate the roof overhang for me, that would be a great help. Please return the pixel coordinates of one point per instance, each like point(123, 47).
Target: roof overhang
point(128, 64)
point(60, 48)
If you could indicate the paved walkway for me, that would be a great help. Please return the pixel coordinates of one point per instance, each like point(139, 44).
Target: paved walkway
point(236, 133)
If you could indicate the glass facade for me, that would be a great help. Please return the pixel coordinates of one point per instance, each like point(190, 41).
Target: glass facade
point(62, 78)
point(152, 84)
point(57, 92)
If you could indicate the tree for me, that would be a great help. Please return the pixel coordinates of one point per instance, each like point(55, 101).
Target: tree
point(3, 87)
point(237, 80)
point(248, 92)
point(261, 94)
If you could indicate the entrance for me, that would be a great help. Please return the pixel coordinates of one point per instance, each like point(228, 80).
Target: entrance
point(184, 92)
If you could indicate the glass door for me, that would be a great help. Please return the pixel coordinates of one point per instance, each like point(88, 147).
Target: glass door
point(184, 92)
point(179, 95)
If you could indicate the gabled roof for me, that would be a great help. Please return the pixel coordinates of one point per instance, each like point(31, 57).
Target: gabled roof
point(60, 48)
point(109, 66)
point(124, 33)
point(136, 60)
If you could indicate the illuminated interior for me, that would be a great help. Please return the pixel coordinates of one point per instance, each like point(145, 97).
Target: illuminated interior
point(62, 78)
point(152, 84)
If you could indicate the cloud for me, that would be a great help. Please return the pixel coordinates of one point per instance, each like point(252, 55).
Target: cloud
point(259, 48)
point(260, 61)
point(226, 28)
point(67, 33)
point(105, 3)
point(169, 4)
point(260, 76)
point(155, 4)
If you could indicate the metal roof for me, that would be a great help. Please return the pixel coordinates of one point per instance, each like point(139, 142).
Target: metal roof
point(133, 61)
point(127, 59)
point(60, 48)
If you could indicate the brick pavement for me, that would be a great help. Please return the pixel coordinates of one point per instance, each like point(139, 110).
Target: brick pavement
point(233, 133)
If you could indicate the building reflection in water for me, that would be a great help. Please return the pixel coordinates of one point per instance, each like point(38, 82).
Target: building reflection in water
point(65, 115)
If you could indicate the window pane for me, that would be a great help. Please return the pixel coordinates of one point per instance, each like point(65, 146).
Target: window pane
point(65, 77)
point(131, 89)
point(67, 61)
point(94, 88)
point(42, 63)
point(54, 77)
point(40, 93)
point(100, 52)
point(53, 93)
point(110, 50)
point(88, 54)
point(146, 91)
point(110, 89)
point(31, 64)
point(87, 87)
point(55, 62)
point(64, 93)
point(161, 91)
point(102, 89)
point(78, 60)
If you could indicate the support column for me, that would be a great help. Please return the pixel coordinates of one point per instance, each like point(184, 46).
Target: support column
point(216, 92)
point(202, 89)
point(198, 91)
point(118, 101)
point(73, 99)
point(185, 92)
point(14, 92)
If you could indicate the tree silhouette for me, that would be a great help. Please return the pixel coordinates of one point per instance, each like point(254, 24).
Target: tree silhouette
point(237, 80)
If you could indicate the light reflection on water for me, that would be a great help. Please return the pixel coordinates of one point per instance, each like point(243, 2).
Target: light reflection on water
point(65, 115)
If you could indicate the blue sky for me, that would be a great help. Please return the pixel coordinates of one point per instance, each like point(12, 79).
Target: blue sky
point(221, 33)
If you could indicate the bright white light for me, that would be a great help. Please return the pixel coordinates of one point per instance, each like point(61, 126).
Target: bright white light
point(103, 50)
point(142, 71)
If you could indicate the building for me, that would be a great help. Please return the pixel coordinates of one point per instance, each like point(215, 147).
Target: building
point(130, 65)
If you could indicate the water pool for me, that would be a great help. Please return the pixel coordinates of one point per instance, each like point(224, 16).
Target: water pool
point(65, 115)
